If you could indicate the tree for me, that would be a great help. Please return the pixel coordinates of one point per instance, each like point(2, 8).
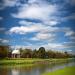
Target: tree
point(66, 54)
point(41, 52)
point(26, 53)
point(51, 54)
point(35, 54)
point(4, 51)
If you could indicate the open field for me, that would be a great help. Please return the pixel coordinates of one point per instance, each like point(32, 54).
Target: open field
point(65, 71)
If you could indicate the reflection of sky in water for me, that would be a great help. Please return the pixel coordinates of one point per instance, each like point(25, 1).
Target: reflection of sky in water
point(15, 72)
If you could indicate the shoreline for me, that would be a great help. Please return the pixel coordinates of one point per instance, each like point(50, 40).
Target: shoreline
point(32, 61)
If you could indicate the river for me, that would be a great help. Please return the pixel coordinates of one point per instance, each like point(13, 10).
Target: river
point(33, 70)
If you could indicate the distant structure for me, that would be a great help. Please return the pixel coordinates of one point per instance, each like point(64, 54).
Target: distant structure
point(16, 53)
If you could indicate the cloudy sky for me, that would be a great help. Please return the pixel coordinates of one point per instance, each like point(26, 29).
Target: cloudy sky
point(36, 23)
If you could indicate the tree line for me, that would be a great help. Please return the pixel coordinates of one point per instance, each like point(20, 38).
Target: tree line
point(5, 51)
point(42, 53)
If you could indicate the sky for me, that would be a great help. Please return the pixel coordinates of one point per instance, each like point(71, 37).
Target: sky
point(38, 23)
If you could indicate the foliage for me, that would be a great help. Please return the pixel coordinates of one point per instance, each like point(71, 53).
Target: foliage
point(4, 51)
point(26, 53)
point(40, 53)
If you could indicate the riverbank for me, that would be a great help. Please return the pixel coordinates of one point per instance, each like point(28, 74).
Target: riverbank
point(31, 61)
point(64, 71)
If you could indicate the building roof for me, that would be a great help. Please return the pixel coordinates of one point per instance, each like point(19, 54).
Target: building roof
point(15, 52)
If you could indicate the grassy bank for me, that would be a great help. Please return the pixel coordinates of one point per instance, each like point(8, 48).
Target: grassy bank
point(22, 61)
point(65, 71)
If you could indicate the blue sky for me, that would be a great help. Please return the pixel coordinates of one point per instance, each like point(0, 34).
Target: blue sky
point(36, 23)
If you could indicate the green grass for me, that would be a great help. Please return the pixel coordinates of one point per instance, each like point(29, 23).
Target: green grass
point(65, 71)
point(17, 61)
point(21, 61)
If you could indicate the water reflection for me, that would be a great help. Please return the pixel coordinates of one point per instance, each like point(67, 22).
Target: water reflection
point(33, 70)
point(15, 72)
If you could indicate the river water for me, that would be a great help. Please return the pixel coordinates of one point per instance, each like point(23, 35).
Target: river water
point(33, 70)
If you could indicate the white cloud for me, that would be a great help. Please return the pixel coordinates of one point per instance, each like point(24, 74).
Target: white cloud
point(72, 2)
point(36, 27)
point(26, 29)
point(36, 11)
point(4, 40)
point(2, 28)
point(1, 18)
point(72, 37)
point(51, 22)
point(43, 36)
point(70, 33)
point(32, 1)
point(58, 46)
point(70, 17)
point(23, 22)
point(21, 46)
point(9, 2)
point(55, 46)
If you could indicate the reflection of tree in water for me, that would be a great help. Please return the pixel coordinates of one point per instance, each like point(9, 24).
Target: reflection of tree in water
point(4, 71)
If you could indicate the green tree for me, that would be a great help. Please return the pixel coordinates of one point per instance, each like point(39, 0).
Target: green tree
point(4, 51)
point(34, 54)
point(66, 54)
point(41, 52)
point(51, 54)
point(26, 53)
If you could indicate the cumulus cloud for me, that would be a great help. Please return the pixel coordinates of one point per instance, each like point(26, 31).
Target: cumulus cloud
point(2, 28)
point(43, 36)
point(48, 22)
point(32, 27)
point(70, 33)
point(51, 22)
point(1, 18)
point(4, 41)
point(59, 46)
point(36, 11)
point(24, 23)
point(7, 3)
point(71, 2)
point(71, 17)
point(32, 1)
point(26, 29)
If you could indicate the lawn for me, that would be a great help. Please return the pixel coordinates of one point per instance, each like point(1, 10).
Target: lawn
point(17, 61)
point(21, 61)
point(64, 71)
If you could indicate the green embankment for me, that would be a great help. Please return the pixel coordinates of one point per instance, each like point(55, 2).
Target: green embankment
point(64, 71)
point(30, 61)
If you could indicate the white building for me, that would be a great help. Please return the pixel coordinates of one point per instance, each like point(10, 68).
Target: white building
point(16, 54)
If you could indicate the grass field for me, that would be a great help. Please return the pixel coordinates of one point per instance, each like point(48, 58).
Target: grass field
point(65, 71)
point(22, 61)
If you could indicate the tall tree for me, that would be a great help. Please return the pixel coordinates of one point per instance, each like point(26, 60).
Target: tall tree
point(41, 52)
point(26, 53)
point(4, 51)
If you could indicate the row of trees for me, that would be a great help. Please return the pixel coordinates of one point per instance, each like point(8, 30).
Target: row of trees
point(28, 53)
point(42, 53)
